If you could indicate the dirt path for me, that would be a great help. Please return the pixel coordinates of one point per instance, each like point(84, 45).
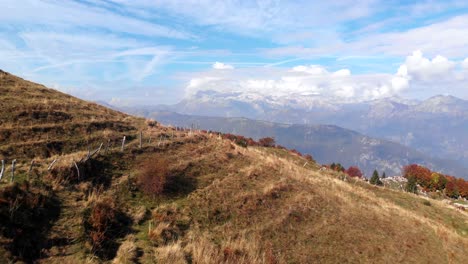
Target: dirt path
point(65, 233)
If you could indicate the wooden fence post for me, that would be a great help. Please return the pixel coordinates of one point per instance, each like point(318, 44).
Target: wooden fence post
point(123, 143)
point(3, 169)
point(141, 138)
point(52, 164)
point(77, 169)
point(96, 151)
point(100, 147)
point(13, 164)
point(107, 146)
point(30, 170)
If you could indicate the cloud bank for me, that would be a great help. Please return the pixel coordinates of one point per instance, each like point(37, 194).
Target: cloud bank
point(341, 85)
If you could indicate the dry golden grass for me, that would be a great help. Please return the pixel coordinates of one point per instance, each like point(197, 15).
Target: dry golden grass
point(139, 214)
point(296, 214)
point(244, 249)
point(127, 253)
point(170, 254)
point(39, 122)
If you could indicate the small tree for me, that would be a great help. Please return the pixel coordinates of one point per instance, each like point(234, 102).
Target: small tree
point(411, 185)
point(339, 167)
point(375, 179)
point(267, 142)
point(383, 175)
point(354, 171)
point(438, 181)
point(451, 190)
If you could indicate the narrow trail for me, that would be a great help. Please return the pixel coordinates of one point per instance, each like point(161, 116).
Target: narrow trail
point(65, 232)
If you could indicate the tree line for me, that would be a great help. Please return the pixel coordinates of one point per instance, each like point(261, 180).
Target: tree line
point(431, 181)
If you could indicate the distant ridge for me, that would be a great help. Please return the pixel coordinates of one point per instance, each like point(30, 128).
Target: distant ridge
point(327, 143)
point(397, 119)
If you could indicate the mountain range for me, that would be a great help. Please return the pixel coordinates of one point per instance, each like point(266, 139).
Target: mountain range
point(326, 143)
point(434, 130)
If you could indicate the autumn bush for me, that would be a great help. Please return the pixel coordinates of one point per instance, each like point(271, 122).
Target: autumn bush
point(98, 218)
point(267, 142)
point(354, 171)
point(240, 140)
point(103, 224)
point(154, 176)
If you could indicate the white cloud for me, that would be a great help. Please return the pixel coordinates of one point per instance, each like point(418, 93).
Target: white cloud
point(342, 73)
point(297, 83)
point(421, 68)
point(311, 69)
point(465, 63)
point(346, 91)
point(256, 16)
point(447, 37)
point(416, 73)
point(222, 66)
point(434, 76)
point(66, 14)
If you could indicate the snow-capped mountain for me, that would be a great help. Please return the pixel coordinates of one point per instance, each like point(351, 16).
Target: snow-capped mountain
point(437, 126)
point(443, 104)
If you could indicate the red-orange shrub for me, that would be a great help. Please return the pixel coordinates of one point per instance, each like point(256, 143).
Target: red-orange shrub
point(153, 176)
point(101, 225)
point(267, 142)
point(354, 171)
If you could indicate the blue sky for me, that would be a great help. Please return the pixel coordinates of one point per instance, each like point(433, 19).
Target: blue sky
point(151, 52)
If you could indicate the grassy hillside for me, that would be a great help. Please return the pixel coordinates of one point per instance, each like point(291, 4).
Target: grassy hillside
point(36, 121)
point(192, 197)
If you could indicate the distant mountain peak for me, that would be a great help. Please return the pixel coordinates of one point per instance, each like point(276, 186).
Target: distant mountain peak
point(443, 104)
point(444, 98)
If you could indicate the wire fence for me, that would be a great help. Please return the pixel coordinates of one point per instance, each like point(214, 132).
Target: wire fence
point(105, 147)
